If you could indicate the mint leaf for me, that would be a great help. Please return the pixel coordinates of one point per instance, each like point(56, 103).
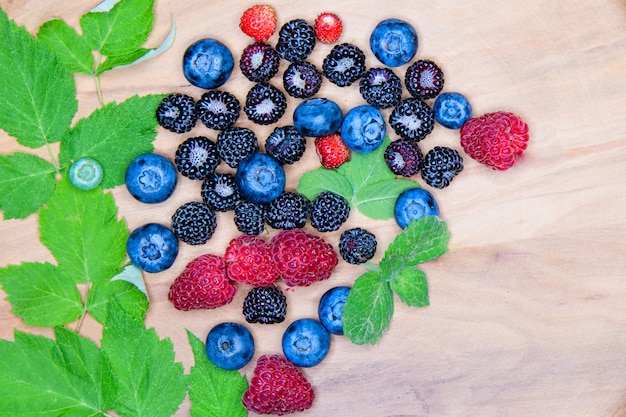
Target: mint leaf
point(367, 168)
point(70, 47)
point(421, 241)
point(38, 96)
point(133, 275)
point(377, 200)
point(130, 299)
point(26, 183)
point(314, 182)
point(214, 392)
point(368, 309)
point(411, 285)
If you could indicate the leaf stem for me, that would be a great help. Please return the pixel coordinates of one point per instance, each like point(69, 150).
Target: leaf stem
point(53, 160)
point(372, 267)
point(96, 77)
point(84, 313)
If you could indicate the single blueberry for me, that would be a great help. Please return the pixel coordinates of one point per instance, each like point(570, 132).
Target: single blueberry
point(306, 342)
point(260, 178)
point(151, 178)
point(413, 204)
point(394, 42)
point(452, 110)
point(152, 247)
point(207, 63)
point(317, 117)
point(330, 309)
point(363, 129)
point(230, 346)
point(85, 174)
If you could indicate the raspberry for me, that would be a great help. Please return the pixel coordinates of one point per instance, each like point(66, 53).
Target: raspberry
point(344, 65)
point(249, 261)
point(403, 157)
point(423, 79)
point(277, 387)
point(218, 109)
point(328, 27)
point(332, 150)
point(258, 22)
point(302, 258)
point(440, 165)
point(265, 305)
point(288, 211)
point(220, 192)
point(412, 119)
point(286, 144)
point(381, 88)
point(328, 211)
point(259, 62)
point(357, 245)
point(296, 40)
point(249, 217)
point(495, 139)
point(265, 104)
point(196, 158)
point(203, 284)
point(302, 79)
point(234, 144)
point(177, 113)
point(194, 223)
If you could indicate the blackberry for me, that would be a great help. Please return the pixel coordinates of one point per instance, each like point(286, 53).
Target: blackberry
point(259, 62)
point(440, 165)
point(344, 65)
point(177, 113)
point(381, 88)
point(265, 104)
point(302, 79)
point(328, 211)
point(357, 245)
point(250, 217)
point(296, 40)
point(194, 223)
point(235, 143)
point(196, 158)
point(288, 211)
point(423, 79)
point(412, 119)
point(285, 144)
point(265, 305)
point(220, 192)
point(403, 157)
point(218, 109)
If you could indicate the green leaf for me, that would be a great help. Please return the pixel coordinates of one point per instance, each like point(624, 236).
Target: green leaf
point(70, 47)
point(41, 294)
point(38, 96)
point(421, 241)
point(377, 200)
point(368, 309)
point(411, 285)
point(314, 182)
point(113, 135)
point(367, 168)
point(133, 275)
point(214, 392)
point(129, 297)
point(26, 183)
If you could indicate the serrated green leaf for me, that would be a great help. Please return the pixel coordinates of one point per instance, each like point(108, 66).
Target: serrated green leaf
point(214, 392)
point(41, 294)
point(133, 275)
point(377, 200)
point(314, 182)
point(127, 295)
point(113, 135)
point(421, 241)
point(26, 183)
point(38, 96)
point(70, 47)
point(367, 168)
point(411, 285)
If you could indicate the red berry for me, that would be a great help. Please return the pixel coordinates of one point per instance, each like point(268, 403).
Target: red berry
point(495, 139)
point(332, 150)
point(328, 27)
point(249, 261)
point(259, 22)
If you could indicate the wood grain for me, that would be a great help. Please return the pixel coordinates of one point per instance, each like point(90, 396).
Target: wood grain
point(528, 307)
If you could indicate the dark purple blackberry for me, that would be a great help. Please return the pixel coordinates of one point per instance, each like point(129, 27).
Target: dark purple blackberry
point(220, 192)
point(197, 157)
point(250, 217)
point(423, 79)
point(381, 88)
point(328, 211)
point(194, 223)
point(288, 211)
point(265, 104)
point(218, 109)
point(286, 144)
point(440, 165)
point(177, 113)
point(302, 79)
point(412, 119)
point(296, 40)
point(403, 157)
point(265, 305)
point(259, 62)
point(234, 144)
point(357, 245)
point(344, 65)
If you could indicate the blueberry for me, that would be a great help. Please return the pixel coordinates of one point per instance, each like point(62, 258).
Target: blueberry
point(317, 117)
point(394, 42)
point(260, 178)
point(207, 63)
point(363, 129)
point(452, 110)
point(229, 346)
point(85, 174)
point(306, 342)
point(152, 247)
point(151, 178)
point(330, 309)
point(412, 204)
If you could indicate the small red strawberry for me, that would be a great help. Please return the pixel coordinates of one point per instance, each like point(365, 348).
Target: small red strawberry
point(203, 284)
point(249, 261)
point(495, 139)
point(259, 22)
point(277, 387)
point(328, 27)
point(332, 150)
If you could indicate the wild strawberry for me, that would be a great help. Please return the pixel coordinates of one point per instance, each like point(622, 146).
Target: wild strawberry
point(203, 284)
point(332, 150)
point(495, 139)
point(328, 27)
point(249, 261)
point(259, 22)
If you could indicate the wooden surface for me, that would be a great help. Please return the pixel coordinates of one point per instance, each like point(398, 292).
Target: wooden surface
point(528, 307)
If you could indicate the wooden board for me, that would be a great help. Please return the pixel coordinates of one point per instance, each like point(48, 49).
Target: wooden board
point(528, 307)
